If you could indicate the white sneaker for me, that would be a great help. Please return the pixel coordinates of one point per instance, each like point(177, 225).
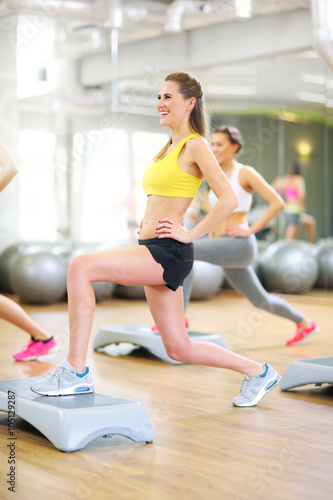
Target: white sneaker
point(253, 389)
point(64, 381)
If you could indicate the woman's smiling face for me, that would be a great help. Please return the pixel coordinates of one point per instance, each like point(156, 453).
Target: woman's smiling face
point(171, 105)
point(223, 149)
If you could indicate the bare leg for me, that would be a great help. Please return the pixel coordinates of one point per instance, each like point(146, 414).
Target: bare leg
point(12, 312)
point(134, 266)
point(291, 232)
point(126, 266)
point(309, 223)
point(167, 309)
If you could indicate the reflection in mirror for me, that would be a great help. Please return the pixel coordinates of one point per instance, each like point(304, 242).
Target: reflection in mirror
point(281, 123)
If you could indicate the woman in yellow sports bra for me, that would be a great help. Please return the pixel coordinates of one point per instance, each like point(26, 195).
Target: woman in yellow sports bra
point(164, 256)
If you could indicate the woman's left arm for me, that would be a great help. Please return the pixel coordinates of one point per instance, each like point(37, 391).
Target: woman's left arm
point(198, 152)
point(251, 180)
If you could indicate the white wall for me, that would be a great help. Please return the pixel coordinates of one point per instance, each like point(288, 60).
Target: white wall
point(9, 212)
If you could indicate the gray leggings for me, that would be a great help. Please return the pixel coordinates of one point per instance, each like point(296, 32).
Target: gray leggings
point(236, 255)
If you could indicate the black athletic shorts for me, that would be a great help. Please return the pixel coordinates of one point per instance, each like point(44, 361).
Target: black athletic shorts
point(175, 257)
point(294, 219)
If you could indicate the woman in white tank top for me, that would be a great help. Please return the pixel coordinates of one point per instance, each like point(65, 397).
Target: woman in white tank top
point(232, 244)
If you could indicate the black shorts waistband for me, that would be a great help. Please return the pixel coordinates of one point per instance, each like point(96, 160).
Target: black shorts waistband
point(163, 242)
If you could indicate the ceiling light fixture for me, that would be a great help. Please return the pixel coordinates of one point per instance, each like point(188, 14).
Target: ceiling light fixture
point(175, 15)
point(311, 97)
point(243, 9)
point(115, 18)
point(174, 21)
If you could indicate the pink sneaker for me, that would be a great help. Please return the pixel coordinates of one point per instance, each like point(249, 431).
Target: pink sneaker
point(302, 333)
point(36, 348)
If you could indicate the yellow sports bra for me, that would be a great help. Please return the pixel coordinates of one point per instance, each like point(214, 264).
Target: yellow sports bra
point(166, 178)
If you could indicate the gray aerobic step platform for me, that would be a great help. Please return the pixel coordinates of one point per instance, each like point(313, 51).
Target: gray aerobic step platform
point(143, 336)
point(315, 371)
point(71, 422)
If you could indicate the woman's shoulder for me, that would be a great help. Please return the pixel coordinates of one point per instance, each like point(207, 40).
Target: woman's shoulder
point(250, 177)
point(245, 170)
point(197, 144)
point(197, 141)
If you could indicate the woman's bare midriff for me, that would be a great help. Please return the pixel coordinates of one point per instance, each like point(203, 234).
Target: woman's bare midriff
point(161, 207)
point(234, 219)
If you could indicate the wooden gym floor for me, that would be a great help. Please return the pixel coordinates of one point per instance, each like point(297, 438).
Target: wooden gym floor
point(205, 449)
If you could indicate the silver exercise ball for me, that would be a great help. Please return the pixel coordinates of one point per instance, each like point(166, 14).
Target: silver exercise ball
point(8, 258)
point(76, 253)
point(207, 280)
point(289, 266)
point(62, 251)
point(39, 278)
point(324, 255)
point(131, 292)
point(103, 290)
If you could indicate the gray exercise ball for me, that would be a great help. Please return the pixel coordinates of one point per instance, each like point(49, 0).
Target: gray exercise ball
point(289, 266)
point(207, 280)
point(39, 278)
point(7, 257)
point(62, 251)
point(103, 290)
point(7, 261)
point(77, 252)
point(131, 292)
point(324, 255)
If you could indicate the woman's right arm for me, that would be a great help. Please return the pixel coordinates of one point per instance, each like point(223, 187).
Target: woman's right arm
point(8, 167)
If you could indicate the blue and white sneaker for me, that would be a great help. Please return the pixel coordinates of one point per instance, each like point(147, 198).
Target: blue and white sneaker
point(64, 381)
point(255, 388)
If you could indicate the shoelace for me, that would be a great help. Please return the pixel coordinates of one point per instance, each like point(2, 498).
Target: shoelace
point(29, 344)
point(301, 329)
point(57, 374)
point(245, 387)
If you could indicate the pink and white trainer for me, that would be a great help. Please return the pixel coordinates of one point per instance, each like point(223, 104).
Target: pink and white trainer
point(35, 349)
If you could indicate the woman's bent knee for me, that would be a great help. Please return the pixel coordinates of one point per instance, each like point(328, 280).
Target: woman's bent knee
point(75, 267)
point(179, 353)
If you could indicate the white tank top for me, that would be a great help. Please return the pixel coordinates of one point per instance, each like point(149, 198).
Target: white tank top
point(244, 197)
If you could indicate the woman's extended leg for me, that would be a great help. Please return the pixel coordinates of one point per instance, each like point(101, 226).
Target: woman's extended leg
point(309, 223)
point(12, 312)
point(247, 283)
point(167, 310)
point(291, 232)
point(225, 252)
point(40, 342)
